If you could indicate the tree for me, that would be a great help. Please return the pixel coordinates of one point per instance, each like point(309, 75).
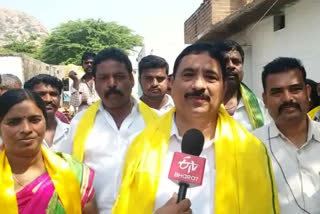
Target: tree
point(68, 41)
point(27, 45)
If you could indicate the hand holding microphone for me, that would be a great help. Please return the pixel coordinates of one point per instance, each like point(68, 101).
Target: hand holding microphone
point(171, 207)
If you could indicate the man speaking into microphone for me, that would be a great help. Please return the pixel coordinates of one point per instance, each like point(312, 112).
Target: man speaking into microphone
point(237, 175)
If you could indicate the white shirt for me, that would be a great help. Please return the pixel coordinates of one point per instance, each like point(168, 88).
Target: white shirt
point(241, 115)
point(301, 168)
point(167, 107)
point(201, 197)
point(105, 151)
point(60, 137)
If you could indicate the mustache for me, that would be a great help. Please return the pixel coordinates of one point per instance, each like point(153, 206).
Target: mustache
point(197, 93)
point(289, 104)
point(52, 104)
point(110, 91)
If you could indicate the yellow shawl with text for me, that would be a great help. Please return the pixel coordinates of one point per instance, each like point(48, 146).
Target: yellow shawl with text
point(63, 179)
point(244, 178)
point(87, 122)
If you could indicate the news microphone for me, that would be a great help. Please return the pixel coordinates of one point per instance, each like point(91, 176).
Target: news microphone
point(186, 167)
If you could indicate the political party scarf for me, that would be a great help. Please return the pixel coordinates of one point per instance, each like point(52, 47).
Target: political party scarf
point(312, 114)
point(64, 180)
point(244, 178)
point(87, 122)
point(252, 106)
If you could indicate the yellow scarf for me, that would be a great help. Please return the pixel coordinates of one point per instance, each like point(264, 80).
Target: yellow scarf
point(87, 122)
point(64, 181)
point(313, 112)
point(244, 178)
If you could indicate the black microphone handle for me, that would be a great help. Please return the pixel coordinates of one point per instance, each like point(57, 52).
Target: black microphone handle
point(182, 191)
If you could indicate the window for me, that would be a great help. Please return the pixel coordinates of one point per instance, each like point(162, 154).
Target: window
point(279, 22)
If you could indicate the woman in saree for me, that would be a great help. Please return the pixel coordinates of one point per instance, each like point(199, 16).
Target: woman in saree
point(32, 178)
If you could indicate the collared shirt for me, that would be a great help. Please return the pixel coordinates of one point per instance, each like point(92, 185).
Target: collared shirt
point(317, 116)
point(105, 151)
point(84, 93)
point(60, 137)
point(202, 197)
point(167, 107)
point(241, 115)
point(295, 169)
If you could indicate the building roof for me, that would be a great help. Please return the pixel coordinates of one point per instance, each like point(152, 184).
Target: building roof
point(240, 19)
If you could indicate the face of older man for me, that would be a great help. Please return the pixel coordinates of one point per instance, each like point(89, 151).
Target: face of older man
point(198, 87)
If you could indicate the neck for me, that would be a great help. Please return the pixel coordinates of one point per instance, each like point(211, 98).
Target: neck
point(51, 123)
point(205, 124)
point(87, 77)
point(296, 132)
point(231, 101)
point(120, 113)
point(19, 164)
point(155, 102)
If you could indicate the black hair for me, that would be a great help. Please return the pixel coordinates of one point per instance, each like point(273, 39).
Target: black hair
point(152, 61)
point(199, 48)
point(113, 54)
point(315, 99)
point(282, 64)
point(45, 79)
point(87, 55)
point(229, 45)
point(16, 96)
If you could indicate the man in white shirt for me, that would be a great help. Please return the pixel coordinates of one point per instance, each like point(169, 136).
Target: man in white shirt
point(83, 92)
point(240, 102)
point(230, 150)
point(49, 88)
point(153, 79)
point(292, 138)
point(101, 134)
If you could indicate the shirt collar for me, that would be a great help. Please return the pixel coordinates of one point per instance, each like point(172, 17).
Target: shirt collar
point(313, 131)
point(61, 129)
point(175, 133)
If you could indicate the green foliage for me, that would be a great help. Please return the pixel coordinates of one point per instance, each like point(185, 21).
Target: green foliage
point(27, 45)
point(68, 41)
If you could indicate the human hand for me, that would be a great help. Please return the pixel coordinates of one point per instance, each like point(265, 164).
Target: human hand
point(172, 207)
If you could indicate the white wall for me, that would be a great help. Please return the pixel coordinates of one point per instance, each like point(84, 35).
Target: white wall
point(300, 38)
point(12, 65)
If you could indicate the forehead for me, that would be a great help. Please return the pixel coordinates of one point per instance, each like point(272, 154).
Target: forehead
point(44, 87)
point(283, 79)
point(111, 66)
point(24, 109)
point(90, 59)
point(233, 54)
point(154, 72)
point(199, 61)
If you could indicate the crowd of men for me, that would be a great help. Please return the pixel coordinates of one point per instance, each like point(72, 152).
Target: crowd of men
point(262, 155)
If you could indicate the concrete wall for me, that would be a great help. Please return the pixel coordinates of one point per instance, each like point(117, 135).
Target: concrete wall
point(26, 67)
point(299, 38)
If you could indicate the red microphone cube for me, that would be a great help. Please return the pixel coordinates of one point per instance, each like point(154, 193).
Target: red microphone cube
point(187, 169)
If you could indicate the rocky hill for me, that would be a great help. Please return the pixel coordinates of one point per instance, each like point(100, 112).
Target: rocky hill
point(18, 25)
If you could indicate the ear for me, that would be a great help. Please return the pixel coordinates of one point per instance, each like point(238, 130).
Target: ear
point(131, 78)
point(308, 87)
point(171, 81)
point(265, 100)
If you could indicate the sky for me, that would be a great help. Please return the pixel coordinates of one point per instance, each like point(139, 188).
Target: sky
point(160, 22)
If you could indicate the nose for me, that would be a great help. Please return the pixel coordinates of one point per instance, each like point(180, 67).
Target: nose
point(112, 82)
point(46, 98)
point(26, 128)
point(154, 82)
point(229, 64)
point(199, 83)
point(287, 96)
